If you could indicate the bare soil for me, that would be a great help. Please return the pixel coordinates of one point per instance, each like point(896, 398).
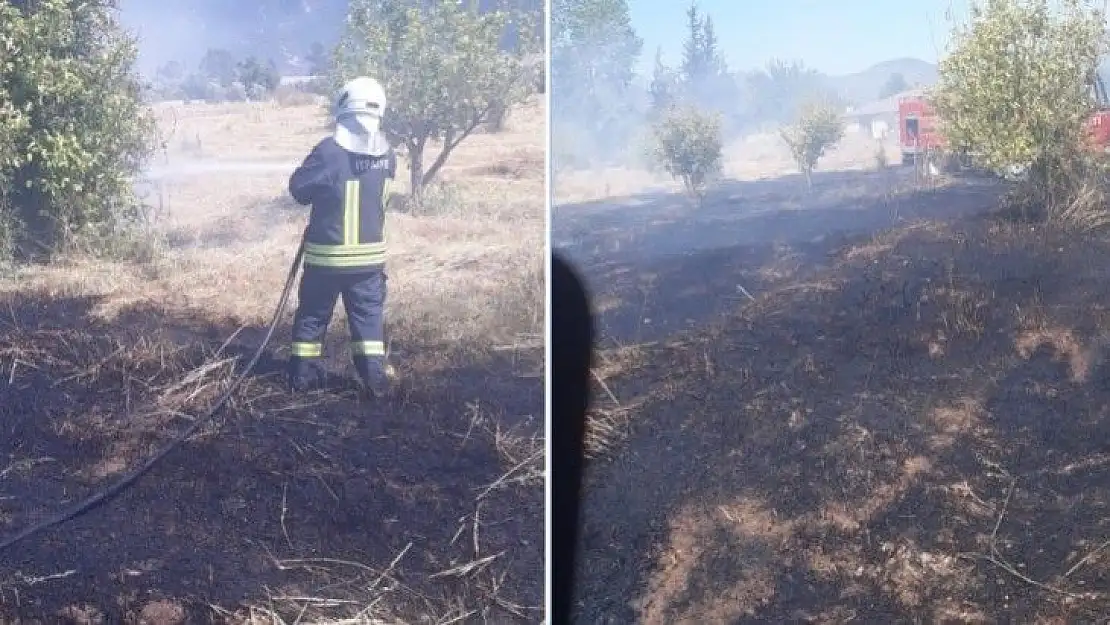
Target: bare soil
point(908, 423)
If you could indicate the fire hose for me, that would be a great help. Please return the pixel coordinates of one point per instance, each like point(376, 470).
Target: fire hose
point(130, 478)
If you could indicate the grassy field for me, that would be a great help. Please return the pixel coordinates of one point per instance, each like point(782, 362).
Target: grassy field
point(425, 508)
point(870, 402)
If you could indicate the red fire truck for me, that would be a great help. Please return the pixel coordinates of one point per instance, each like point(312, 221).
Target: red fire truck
point(918, 133)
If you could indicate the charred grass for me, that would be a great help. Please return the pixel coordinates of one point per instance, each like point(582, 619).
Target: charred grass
point(318, 508)
point(913, 429)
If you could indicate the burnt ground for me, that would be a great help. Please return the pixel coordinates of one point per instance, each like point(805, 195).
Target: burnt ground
point(308, 506)
point(904, 426)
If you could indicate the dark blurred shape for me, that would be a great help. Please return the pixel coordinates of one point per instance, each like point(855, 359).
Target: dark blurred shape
point(572, 337)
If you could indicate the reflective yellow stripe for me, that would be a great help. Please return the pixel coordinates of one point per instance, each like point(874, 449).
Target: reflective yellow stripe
point(368, 348)
point(326, 249)
point(350, 213)
point(307, 350)
point(324, 255)
point(352, 261)
point(387, 192)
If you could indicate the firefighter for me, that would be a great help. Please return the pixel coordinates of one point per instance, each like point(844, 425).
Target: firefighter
point(346, 179)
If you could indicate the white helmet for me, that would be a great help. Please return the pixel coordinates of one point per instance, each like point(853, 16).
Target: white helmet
point(358, 111)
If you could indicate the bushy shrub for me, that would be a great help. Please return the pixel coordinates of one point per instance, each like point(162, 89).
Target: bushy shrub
point(687, 144)
point(74, 129)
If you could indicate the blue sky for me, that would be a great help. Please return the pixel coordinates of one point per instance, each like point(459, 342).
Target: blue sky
point(832, 36)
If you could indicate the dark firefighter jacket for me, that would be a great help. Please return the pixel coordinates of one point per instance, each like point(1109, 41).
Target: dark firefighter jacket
point(348, 194)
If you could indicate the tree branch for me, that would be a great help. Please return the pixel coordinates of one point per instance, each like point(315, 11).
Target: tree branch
point(453, 142)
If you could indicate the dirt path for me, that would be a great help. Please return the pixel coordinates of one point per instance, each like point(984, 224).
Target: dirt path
point(161, 171)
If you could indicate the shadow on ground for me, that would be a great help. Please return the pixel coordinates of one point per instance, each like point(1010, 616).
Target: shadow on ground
point(322, 495)
point(912, 430)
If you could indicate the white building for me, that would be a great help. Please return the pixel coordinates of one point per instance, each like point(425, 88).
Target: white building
point(878, 118)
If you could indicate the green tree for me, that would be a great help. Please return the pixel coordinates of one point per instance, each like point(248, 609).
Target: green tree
point(195, 87)
point(1014, 92)
point(779, 89)
point(256, 76)
point(168, 79)
point(702, 63)
point(443, 70)
point(687, 144)
point(703, 74)
point(695, 64)
point(317, 58)
point(218, 65)
point(664, 88)
point(896, 83)
point(593, 57)
point(171, 72)
point(73, 127)
point(817, 128)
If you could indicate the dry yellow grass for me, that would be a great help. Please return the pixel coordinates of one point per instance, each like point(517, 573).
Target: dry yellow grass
point(470, 277)
point(756, 156)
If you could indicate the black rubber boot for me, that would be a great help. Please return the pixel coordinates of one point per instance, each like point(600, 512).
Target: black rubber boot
point(304, 376)
point(377, 384)
point(373, 374)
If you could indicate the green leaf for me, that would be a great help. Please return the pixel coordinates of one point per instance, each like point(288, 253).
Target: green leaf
point(443, 69)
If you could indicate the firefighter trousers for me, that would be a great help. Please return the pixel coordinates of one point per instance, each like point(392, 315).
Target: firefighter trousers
point(364, 300)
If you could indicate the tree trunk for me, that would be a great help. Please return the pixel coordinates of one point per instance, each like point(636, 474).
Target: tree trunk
point(416, 176)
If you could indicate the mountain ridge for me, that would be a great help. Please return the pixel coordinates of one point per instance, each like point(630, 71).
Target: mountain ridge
point(867, 84)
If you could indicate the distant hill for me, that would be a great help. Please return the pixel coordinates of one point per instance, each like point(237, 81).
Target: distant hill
point(862, 87)
point(865, 86)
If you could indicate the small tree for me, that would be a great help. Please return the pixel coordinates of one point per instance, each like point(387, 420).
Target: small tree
point(317, 59)
point(443, 70)
point(168, 80)
point(257, 77)
point(194, 87)
point(780, 88)
point(687, 144)
point(817, 127)
point(218, 65)
point(171, 72)
point(1015, 92)
point(73, 127)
